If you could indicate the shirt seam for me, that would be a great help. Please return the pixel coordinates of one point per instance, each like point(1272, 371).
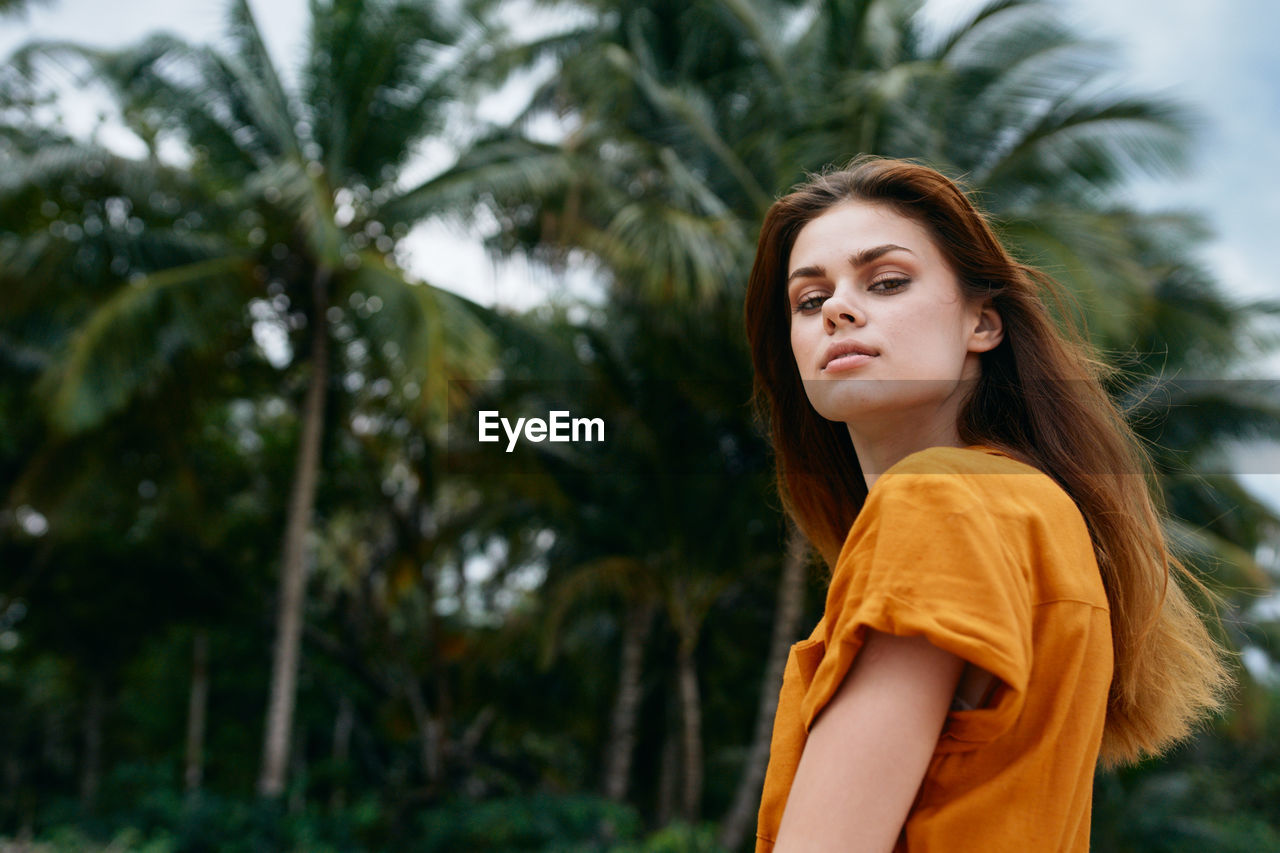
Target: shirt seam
point(906, 604)
point(1101, 607)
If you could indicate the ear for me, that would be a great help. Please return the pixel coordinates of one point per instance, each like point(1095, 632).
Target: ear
point(987, 328)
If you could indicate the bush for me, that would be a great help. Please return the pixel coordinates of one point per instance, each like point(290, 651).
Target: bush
point(553, 824)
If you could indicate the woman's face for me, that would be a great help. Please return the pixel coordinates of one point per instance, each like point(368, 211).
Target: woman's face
point(880, 329)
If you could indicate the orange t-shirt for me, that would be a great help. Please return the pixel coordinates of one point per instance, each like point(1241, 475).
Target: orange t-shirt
point(989, 559)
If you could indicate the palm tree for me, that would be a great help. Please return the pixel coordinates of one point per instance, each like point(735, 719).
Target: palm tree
point(682, 121)
point(14, 8)
point(284, 200)
point(652, 527)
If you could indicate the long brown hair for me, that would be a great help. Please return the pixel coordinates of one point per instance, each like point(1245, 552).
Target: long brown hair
point(1040, 398)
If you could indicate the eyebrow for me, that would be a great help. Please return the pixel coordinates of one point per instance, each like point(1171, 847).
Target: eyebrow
point(857, 259)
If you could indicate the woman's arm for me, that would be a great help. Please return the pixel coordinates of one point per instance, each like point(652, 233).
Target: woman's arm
point(869, 748)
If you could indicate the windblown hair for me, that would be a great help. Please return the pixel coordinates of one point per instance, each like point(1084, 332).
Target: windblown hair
point(1040, 399)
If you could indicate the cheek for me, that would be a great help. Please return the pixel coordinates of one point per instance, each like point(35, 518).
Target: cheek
point(942, 349)
point(932, 340)
point(800, 345)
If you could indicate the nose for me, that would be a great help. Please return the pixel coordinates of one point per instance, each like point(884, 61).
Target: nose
point(838, 310)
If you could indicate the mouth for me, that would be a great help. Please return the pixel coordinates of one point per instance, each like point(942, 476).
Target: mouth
point(846, 355)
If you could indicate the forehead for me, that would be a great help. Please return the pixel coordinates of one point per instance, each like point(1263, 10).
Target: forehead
point(853, 226)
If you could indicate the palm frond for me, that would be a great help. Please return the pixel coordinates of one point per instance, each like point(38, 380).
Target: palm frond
point(438, 334)
point(1099, 142)
point(690, 107)
point(140, 333)
point(958, 39)
point(377, 80)
point(500, 166)
point(274, 109)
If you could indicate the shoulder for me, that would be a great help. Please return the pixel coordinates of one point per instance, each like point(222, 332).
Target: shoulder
point(966, 477)
point(975, 459)
point(974, 488)
point(954, 495)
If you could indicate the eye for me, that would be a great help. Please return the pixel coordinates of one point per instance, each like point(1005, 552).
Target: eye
point(889, 284)
point(810, 303)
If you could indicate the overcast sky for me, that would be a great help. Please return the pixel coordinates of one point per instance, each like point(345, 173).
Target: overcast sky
point(1218, 57)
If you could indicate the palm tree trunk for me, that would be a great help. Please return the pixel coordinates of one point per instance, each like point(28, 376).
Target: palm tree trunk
point(12, 783)
point(197, 707)
point(668, 770)
point(428, 731)
point(298, 771)
point(626, 707)
point(786, 620)
point(284, 665)
point(91, 766)
point(343, 724)
point(691, 726)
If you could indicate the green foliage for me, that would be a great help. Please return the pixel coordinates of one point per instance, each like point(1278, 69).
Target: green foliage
point(1179, 810)
point(678, 837)
point(163, 819)
point(165, 822)
point(71, 839)
point(540, 822)
point(468, 612)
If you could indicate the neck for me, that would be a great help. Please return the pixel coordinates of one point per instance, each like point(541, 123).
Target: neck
point(886, 435)
point(879, 452)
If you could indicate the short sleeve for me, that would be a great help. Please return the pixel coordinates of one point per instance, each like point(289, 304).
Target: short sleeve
point(928, 557)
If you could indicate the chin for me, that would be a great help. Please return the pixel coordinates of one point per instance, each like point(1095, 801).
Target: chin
point(847, 400)
point(853, 401)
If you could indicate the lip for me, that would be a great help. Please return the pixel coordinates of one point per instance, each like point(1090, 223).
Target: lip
point(845, 355)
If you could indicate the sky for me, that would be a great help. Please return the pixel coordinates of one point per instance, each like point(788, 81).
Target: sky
point(1218, 58)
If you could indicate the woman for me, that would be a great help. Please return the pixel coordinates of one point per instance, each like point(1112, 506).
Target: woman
point(1000, 615)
